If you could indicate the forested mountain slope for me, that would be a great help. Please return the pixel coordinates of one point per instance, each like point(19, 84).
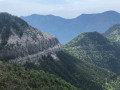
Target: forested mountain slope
point(113, 33)
point(15, 77)
point(95, 48)
point(77, 72)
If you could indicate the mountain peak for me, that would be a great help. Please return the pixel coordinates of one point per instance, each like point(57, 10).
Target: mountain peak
point(86, 39)
point(6, 18)
point(10, 24)
point(110, 12)
point(95, 48)
point(17, 39)
point(112, 29)
point(113, 33)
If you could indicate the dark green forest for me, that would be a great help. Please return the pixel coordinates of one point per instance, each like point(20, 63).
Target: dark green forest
point(78, 72)
point(15, 77)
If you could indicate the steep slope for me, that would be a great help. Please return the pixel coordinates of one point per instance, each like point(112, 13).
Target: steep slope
point(25, 45)
point(67, 29)
point(113, 33)
point(79, 73)
point(115, 83)
point(15, 77)
point(18, 40)
point(96, 49)
point(49, 23)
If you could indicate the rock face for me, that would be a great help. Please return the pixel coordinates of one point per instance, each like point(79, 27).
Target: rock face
point(22, 43)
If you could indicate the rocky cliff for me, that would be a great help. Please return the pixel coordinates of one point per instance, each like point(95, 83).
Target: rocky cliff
point(22, 43)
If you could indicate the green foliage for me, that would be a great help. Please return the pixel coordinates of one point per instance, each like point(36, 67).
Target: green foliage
point(8, 23)
point(15, 77)
point(79, 73)
point(86, 39)
point(96, 49)
point(115, 83)
point(113, 33)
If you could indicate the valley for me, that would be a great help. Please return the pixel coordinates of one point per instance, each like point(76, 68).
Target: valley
point(33, 60)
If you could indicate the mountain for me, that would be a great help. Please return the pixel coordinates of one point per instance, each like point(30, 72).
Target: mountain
point(79, 73)
point(95, 48)
point(22, 44)
point(113, 33)
point(67, 29)
point(15, 77)
point(18, 40)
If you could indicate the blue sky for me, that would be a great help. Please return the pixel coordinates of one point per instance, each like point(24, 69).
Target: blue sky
point(63, 8)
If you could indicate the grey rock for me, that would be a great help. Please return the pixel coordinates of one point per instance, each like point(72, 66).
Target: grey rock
point(29, 47)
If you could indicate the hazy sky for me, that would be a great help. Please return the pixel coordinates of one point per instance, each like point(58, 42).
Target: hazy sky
point(64, 8)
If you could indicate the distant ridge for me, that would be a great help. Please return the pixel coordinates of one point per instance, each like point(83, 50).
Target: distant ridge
point(67, 29)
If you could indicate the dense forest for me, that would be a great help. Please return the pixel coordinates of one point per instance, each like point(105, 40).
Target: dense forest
point(78, 72)
point(96, 49)
point(15, 77)
point(113, 33)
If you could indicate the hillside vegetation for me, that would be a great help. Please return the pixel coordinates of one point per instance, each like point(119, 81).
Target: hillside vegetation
point(95, 48)
point(79, 73)
point(113, 33)
point(15, 77)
